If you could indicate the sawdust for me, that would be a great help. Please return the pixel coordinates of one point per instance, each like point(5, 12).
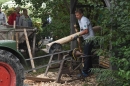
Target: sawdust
point(90, 81)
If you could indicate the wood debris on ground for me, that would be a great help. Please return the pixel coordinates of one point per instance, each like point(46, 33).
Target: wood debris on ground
point(90, 81)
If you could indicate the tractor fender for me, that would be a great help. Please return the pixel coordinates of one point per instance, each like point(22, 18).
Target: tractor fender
point(16, 53)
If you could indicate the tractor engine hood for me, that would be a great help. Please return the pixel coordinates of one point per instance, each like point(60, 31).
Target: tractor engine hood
point(8, 43)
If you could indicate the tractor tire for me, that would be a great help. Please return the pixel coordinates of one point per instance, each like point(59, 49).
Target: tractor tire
point(11, 70)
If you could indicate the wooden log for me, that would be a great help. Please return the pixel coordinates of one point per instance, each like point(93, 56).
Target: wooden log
point(70, 37)
point(29, 50)
point(67, 39)
point(104, 62)
point(104, 65)
point(61, 41)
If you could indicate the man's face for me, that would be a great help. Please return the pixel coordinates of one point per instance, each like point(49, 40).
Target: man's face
point(78, 15)
point(25, 12)
point(18, 10)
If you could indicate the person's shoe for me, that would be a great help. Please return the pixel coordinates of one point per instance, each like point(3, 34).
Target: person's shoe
point(83, 74)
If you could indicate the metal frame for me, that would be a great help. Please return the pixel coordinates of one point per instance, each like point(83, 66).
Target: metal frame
point(62, 70)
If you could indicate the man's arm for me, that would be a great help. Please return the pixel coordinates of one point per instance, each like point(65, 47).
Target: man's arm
point(85, 31)
point(4, 18)
point(80, 34)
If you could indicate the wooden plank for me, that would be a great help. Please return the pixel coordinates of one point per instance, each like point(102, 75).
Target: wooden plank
point(37, 79)
point(29, 50)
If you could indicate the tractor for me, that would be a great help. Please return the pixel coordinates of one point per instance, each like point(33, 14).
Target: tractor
point(11, 69)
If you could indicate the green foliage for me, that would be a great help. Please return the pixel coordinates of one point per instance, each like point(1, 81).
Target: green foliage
point(115, 24)
point(104, 76)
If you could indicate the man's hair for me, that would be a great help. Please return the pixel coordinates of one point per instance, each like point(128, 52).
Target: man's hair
point(24, 10)
point(79, 11)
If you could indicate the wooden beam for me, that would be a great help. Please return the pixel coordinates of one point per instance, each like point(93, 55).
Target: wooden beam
point(72, 20)
point(29, 50)
point(73, 6)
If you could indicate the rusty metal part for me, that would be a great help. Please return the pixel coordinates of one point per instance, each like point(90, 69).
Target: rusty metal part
point(75, 53)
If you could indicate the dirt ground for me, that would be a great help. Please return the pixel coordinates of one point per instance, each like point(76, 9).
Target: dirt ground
point(89, 81)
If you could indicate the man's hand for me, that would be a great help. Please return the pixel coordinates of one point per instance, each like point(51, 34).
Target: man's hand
point(75, 37)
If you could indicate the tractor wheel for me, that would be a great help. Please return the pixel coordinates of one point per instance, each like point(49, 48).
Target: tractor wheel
point(11, 70)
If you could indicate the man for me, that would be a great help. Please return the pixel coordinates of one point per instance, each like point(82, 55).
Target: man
point(2, 18)
point(25, 20)
point(87, 33)
point(14, 17)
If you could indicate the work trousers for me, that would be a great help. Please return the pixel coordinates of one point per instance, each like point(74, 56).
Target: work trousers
point(88, 59)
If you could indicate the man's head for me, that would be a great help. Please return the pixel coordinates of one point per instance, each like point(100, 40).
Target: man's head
point(79, 13)
point(25, 12)
point(17, 9)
